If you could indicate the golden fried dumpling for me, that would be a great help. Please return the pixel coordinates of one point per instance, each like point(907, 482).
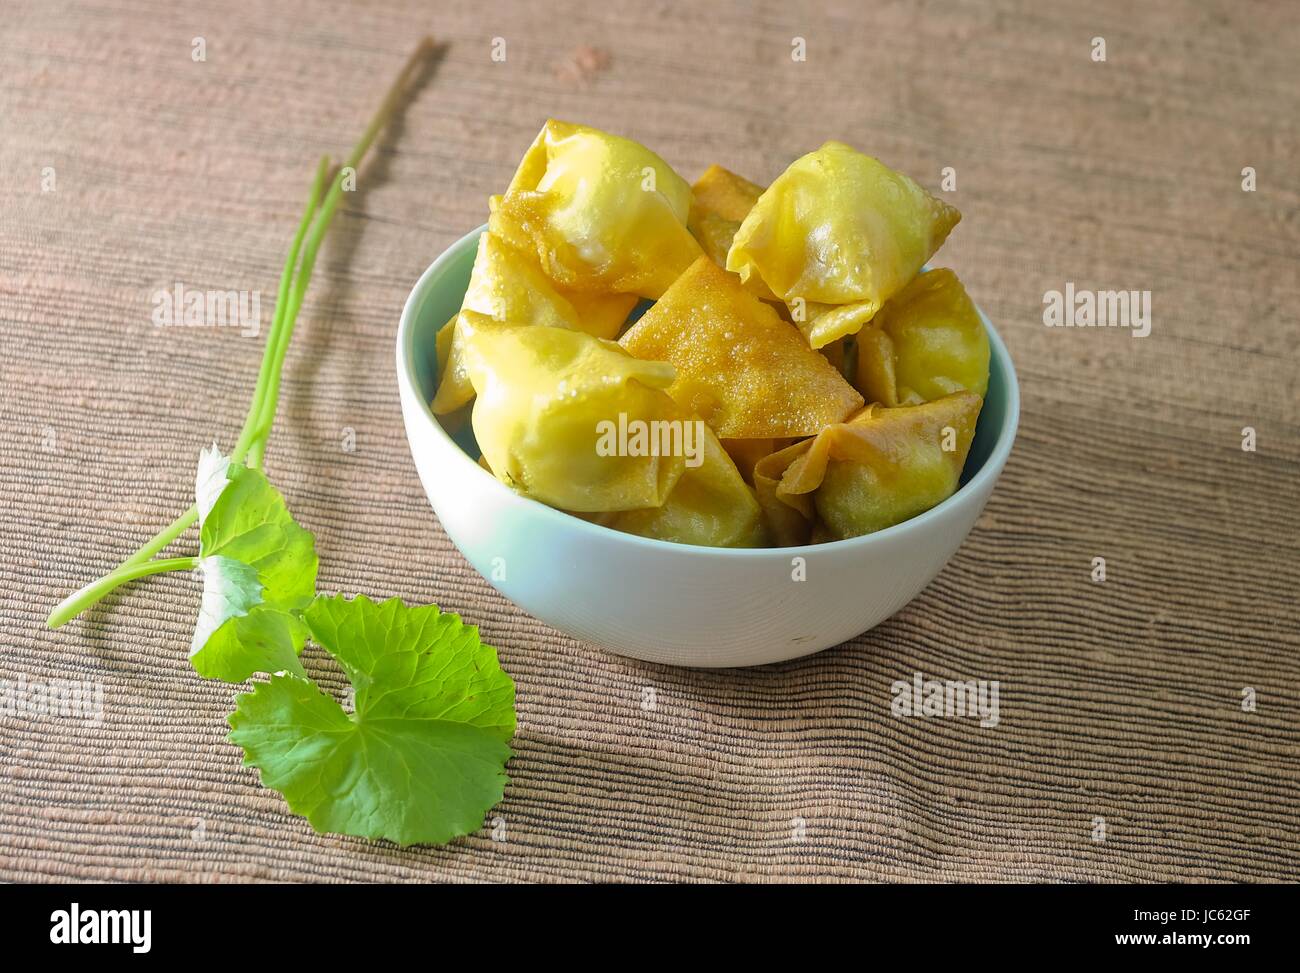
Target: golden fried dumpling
point(720, 192)
point(835, 236)
point(603, 214)
point(740, 368)
point(710, 505)
point(882, 467)
point(926, 342)
point(442, 343)
point(454, 419)
point(788, 519)
point(600, 315)
point(746, 453)
point(506, 285)
point(720, 201)
point(545, 398)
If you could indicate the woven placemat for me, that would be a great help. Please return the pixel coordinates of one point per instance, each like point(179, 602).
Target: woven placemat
point(1149, 726)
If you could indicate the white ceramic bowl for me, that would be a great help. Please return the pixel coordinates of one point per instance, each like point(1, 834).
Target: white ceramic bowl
point(664, 602)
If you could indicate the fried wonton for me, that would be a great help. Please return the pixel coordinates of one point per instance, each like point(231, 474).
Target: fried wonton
point(926, 342)
point(835, 236)
point(442, 343)
point(746, 453)
point(546, 397)
point(879, 469)
point(602, 213)
point(720, 192)
point(740, 368)
point(600, 315)
point(506, 285)
point(710, 505)
point(720, 201)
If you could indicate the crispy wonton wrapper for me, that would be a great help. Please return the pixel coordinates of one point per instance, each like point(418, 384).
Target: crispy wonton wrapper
point(710, 506)
point(543, 395)
point(720, 201)
point(835, 236)
point(879, 469)
point(506, 285)
point(927, 342)
point(602, 213)
point(746, 453)
point(740, 368)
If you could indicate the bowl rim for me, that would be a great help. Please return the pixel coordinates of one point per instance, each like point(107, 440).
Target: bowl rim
point(408, 384)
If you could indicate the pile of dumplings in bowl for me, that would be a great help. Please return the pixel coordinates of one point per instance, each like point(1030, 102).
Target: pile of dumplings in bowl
point(797, 379)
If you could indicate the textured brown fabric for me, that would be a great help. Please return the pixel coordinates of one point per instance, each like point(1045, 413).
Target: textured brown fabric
point(1120, 700)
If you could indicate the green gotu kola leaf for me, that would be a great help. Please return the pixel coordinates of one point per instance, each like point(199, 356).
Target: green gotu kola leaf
point(259, 574)
point(421, 758)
